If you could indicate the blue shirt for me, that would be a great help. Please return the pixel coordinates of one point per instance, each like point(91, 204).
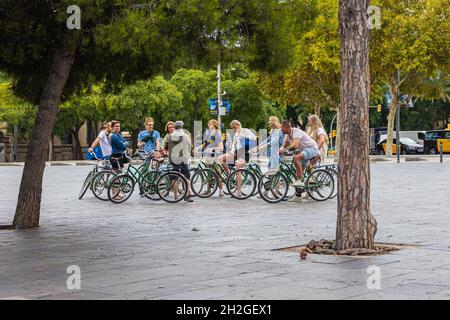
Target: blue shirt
point(149, 145)
point(118, 143)
point(275, 137)
point(274, 143)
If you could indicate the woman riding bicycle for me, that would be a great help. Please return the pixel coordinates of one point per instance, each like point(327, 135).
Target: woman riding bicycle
point(273, 143)
point(212, 148)
point(317, 132)
point(119, 146)
point(239, 152)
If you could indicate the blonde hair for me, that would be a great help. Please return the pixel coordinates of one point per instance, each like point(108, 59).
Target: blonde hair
point(168, 124)
point(316, 123)
point(149, 119)
point(215, 123)
point(235, 122)
point(275, 121)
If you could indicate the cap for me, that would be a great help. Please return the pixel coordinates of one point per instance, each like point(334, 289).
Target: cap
point(179, 124)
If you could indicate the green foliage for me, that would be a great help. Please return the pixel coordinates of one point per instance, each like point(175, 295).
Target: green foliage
point(249, 105)
point(156, 98)
point(313, 81)
point(121, 42)
point(14, 110)
point(196, 87)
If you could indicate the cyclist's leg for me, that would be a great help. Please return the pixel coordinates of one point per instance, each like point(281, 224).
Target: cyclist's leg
point(298, 163)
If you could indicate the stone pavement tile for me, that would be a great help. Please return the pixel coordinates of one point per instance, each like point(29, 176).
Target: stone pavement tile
point(413, 289)
point(442, 280)
point(254, 280)
point(285, 292)
point(206, 293)
point(156, 240)
point(76, 295)
point(380, 295)
point(151, 288)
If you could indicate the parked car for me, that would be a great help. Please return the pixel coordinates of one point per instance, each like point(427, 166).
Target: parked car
point(407, 146)
point(433, 139)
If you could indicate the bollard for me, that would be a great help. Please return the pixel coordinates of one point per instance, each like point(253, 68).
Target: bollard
point(442, 153)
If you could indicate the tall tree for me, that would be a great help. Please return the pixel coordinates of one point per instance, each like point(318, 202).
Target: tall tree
point(414, 40)
point(196, 86)
point(121, 41)
point(156, 98)
point(356, 227)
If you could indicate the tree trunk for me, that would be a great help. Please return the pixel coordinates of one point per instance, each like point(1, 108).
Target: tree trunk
point(391, 121)
point(29, 200)
point(338, 136)
point(356, 227)
point(78, 150)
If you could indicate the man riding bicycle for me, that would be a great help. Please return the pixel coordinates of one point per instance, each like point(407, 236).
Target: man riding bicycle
point(304, 147)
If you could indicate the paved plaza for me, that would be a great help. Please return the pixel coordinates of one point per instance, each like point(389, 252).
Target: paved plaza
point(221, 248)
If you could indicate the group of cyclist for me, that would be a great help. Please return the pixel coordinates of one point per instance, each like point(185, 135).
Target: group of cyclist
point(307, 148)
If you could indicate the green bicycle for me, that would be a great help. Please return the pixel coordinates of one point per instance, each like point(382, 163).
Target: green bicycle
point(207, 178)
point(275, 187)
point(242, 183)
point(155, 182)
point(102, 168)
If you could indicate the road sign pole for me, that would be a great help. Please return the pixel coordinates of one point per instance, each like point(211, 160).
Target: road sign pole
point(219, 94)
point(398, 117)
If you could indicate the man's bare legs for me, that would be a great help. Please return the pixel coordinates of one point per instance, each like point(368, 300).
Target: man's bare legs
point(298, 165)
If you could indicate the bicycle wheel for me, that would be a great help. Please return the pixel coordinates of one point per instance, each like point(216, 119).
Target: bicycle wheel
point(204, 183)
point(273, 188)
point(320, 185)
point(248, 184)
point(334, 174)
point(148, 186)
point(100, 183)
point(121, 188)
point(86, 184)
point(172, 187)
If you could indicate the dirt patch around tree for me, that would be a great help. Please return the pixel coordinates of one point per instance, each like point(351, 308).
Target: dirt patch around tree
point(326, 247)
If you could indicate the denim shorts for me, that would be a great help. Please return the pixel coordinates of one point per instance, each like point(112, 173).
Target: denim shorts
point(309, 153)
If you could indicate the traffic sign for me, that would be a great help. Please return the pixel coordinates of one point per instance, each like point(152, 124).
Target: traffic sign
point(214, 105)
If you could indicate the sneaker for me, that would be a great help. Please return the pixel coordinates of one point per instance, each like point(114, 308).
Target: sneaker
point(188, 199)
point(221, 193)
point(205, 193)
point(298, 184)
point(294, 199)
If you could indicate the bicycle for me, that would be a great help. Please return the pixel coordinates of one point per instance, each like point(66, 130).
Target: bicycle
point(274, 187)
point(333, 170)
point(209, 176)
point(249, 177)
point(100, 166)
point(155, 182)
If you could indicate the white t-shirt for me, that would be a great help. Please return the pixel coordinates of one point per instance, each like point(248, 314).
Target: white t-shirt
point(105, 145)
point(305, 140)
point(238, 136)
point(321, 131)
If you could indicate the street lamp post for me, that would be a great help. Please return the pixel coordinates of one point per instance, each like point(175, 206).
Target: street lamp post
point(398, 118)
point(219, 94)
